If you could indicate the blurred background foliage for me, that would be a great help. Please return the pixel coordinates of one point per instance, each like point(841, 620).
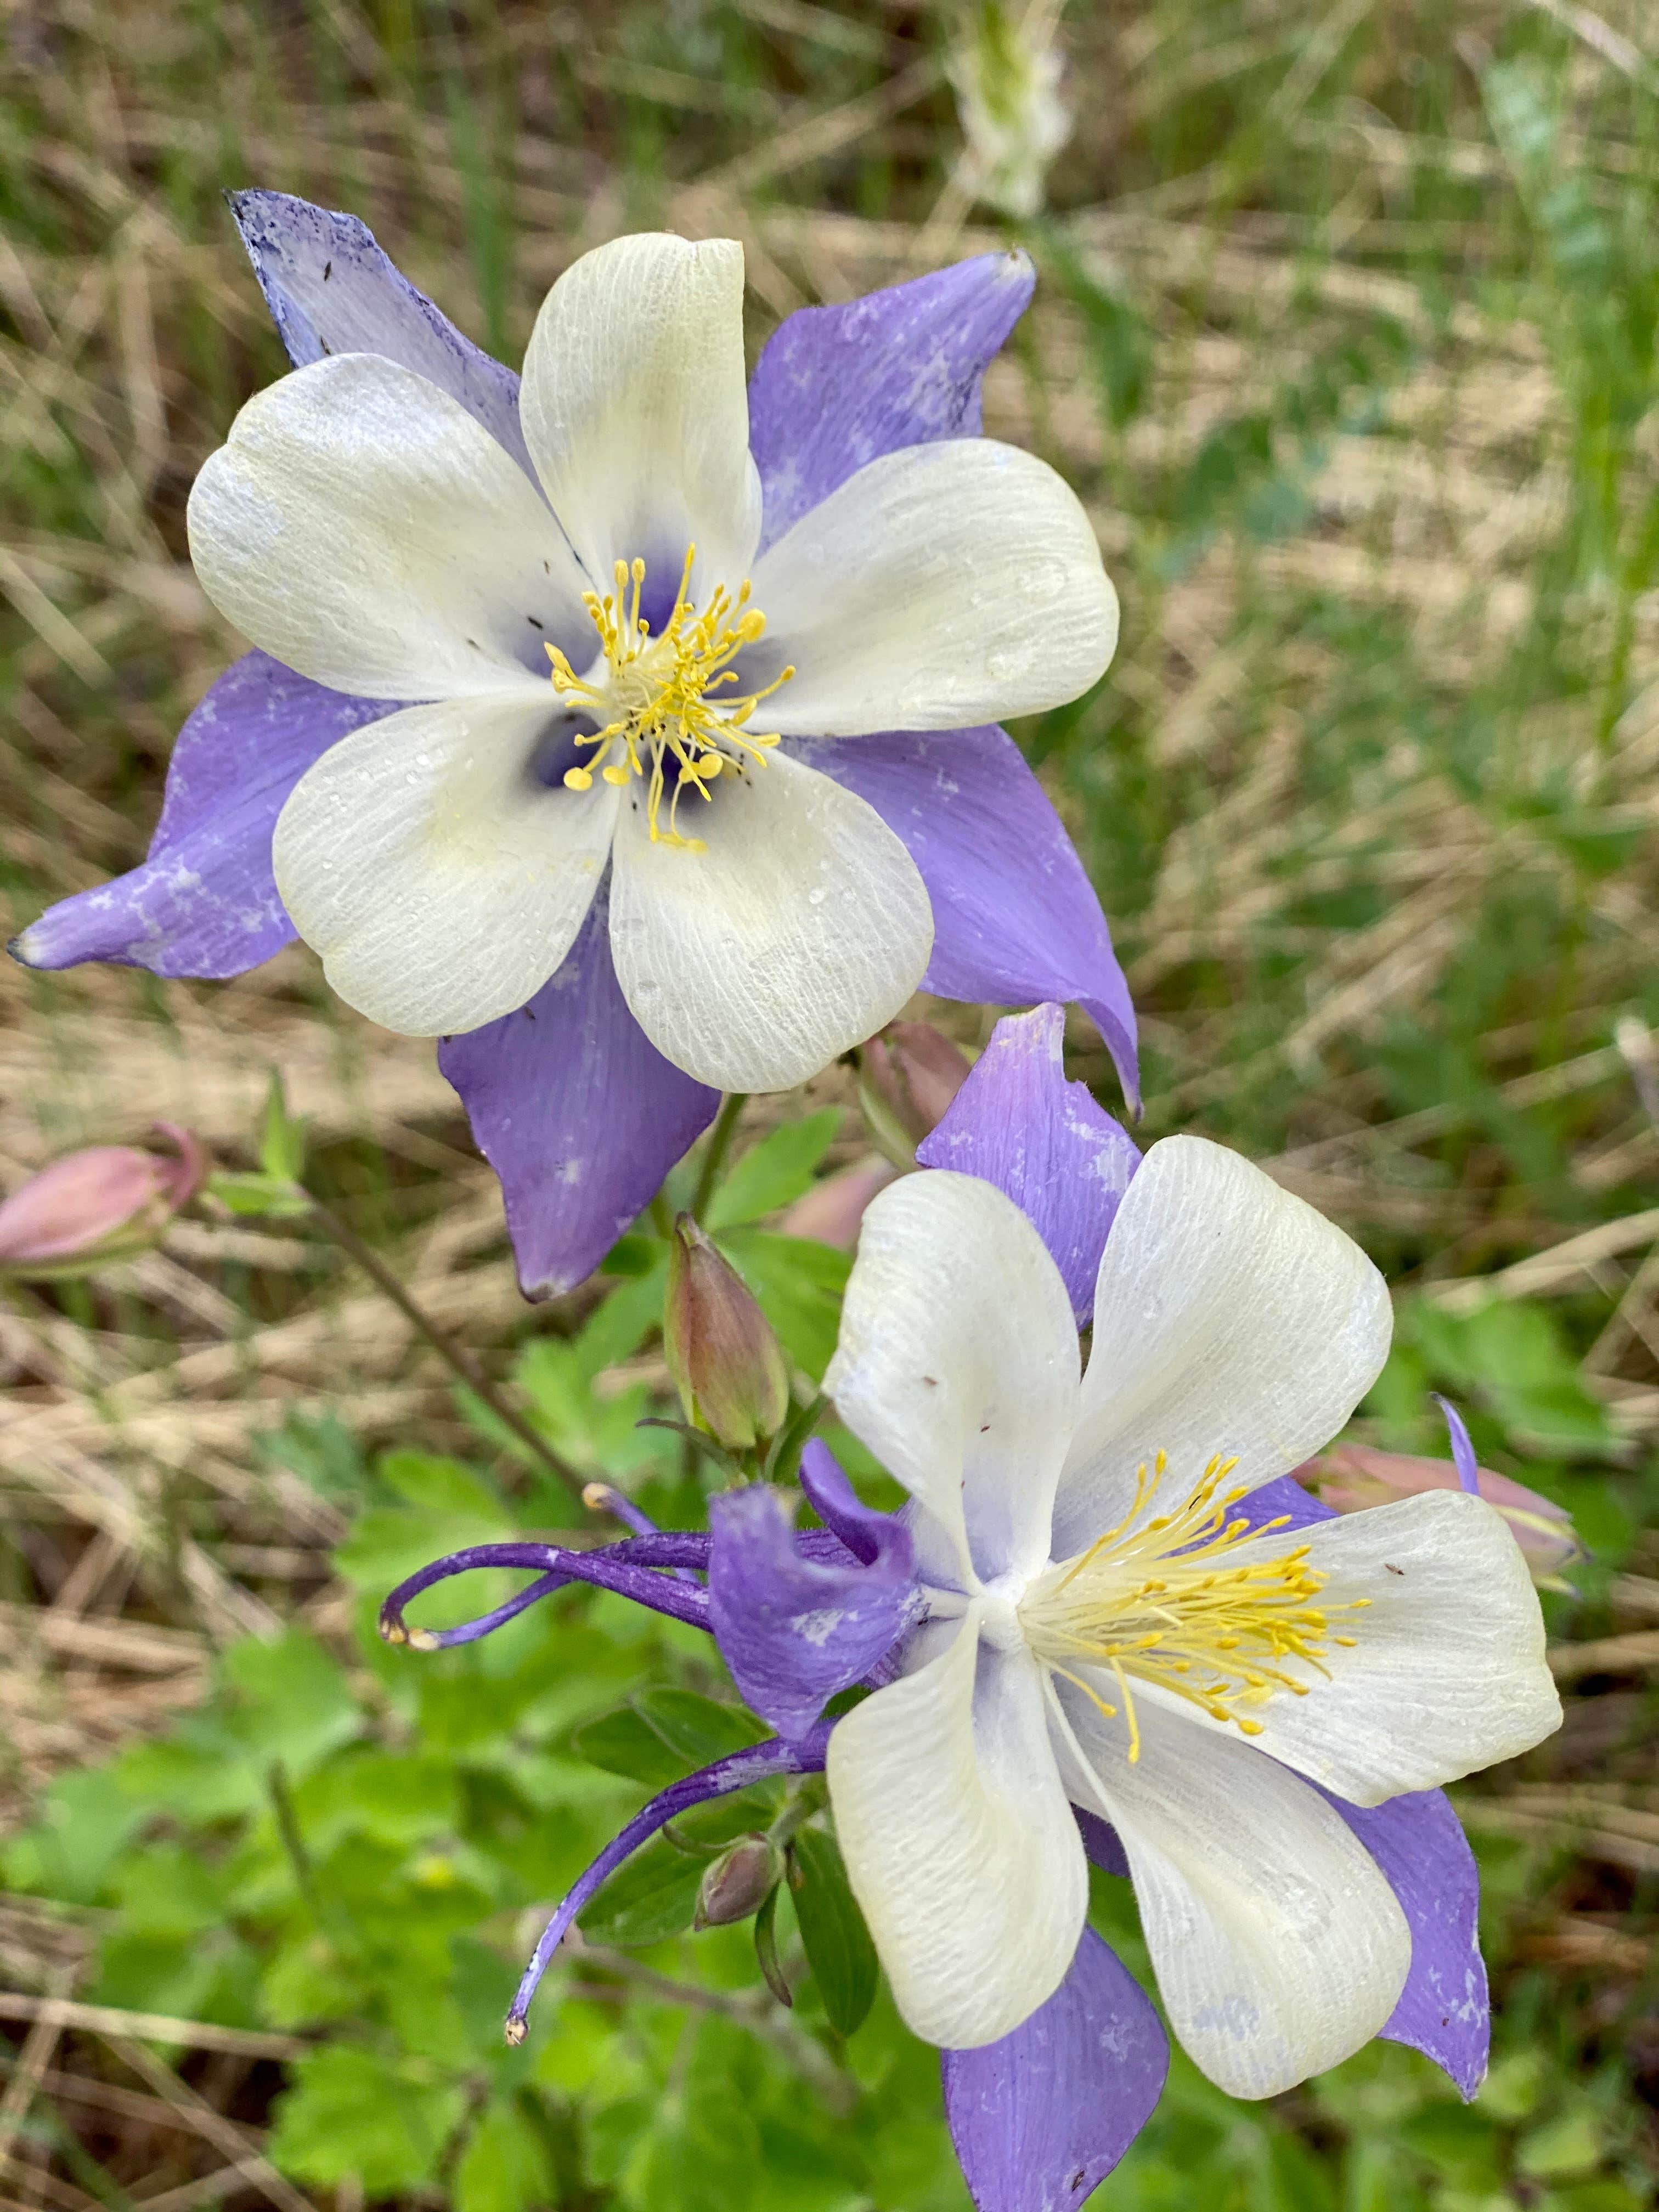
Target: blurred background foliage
point(1345, 332)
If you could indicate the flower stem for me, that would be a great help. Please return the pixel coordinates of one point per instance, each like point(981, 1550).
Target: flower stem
point(720, 1143)
point(458, 1360)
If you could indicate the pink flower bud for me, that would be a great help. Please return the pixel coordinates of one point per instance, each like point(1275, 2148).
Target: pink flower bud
point(739, 1882)
point(907, 1078)
point(1351, 1477)
point(727, 1364)
point(105, 1203)
point(831, 1210)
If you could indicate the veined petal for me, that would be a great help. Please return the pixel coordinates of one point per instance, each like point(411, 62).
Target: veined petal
point(798, 932)
point(1017, 1123)
point(330, 290)
point(942, 586)
point(957, 1363)
point(1230, 1318)
point(361, 526)
point(576, 1110)
point(959, 1843)
point(1279, 1946)
point(1041, 2119)
point(634, 412)
point(441, 884)
point(1445, 1673)
point(205, 902)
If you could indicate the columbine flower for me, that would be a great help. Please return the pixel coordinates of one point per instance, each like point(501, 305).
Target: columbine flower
point(1006, 76)
point(538, 752)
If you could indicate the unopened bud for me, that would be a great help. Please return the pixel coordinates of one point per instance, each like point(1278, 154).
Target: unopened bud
point(831, 1210)
point(1353, 1477)
point(726, 1363)
point(107, 1202)
point(739, 1882)
point(1006, 75)
point(907, 1078)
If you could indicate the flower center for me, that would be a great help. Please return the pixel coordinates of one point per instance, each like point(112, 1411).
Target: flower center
point(651, 696)
point(1165, 1601)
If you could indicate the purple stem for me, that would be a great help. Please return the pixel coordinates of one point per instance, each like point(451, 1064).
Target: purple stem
point(630, 1568)
point(761, 1762)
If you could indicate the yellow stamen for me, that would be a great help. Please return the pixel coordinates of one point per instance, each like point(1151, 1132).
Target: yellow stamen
point(1168, 1602)
point(651, 695)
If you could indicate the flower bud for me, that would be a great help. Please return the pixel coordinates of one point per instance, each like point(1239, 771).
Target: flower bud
point(727, 1364)
point(1007, 74)
point(739, 1882)
point(105, 1203)
point(831, 1210)
point(907, 1078)
point(1351, 1477)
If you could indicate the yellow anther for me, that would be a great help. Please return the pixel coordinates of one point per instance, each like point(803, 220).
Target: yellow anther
point(653, 696)
point(578, 779)
point(1225, 1629)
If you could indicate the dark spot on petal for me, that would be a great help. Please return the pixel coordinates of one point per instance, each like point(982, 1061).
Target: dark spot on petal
point(932, 1381)
point(1076, 2179)
point(534, 624)
point(529, 1013)
point(985, 1428)
point(1394, 1570)
point(328, 270)
point(325, 346)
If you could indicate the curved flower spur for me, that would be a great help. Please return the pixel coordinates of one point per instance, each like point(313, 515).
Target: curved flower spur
point(631, 732)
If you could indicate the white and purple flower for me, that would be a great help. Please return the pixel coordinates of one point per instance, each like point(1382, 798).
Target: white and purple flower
point(1111, 1626)
point(628, 730)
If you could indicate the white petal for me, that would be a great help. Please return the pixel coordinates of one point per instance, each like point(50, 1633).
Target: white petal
point(1230, 1317)
point(957, 1363)
point(1279, 1946)
point(1446, 1672)
point(440, 881)
point(362, 528)
point(942, 586)
point(960, 1843)
point(802, 928)
point(635, 412)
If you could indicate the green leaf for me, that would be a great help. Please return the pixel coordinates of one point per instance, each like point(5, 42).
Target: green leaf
point(799, 1285)
point(281, 1137)
point(352, 2113)
point(651, 1897)
point(766, 1951)
point(623, 1742)
point(292, 1701)
point(504, 2166)
point(775, 1172)
point(698, 1729)
point(261, 1196)
point(837, 1943)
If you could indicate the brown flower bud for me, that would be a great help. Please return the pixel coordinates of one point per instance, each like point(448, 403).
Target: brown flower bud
point(1351, 1477)
point(907, 1078)
point(726, 1363)
point(739, 1882)
point(106, 1202)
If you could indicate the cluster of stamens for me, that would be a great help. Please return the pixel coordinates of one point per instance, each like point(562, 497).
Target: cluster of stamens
point(654, 701)
point(1163, 1602)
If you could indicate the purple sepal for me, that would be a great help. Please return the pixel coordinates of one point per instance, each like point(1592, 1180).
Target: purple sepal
point(1015, 918)
point(1442, 2010)
point(860, 1527)
point(1282, 1500)
point(1019, 1123)
point(576, 1110)
point(632, 1568)
point(759, 1763)
point(794, 1630)
point(204, 903)
point(836, 386)
point(1462, 1446)
point(331, 289)
point(1102, 1842)
point(1041, 2119)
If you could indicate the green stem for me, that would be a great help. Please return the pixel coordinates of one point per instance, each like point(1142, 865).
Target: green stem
point(720, 1143)
point(459, 1361)
point(662, 1220)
